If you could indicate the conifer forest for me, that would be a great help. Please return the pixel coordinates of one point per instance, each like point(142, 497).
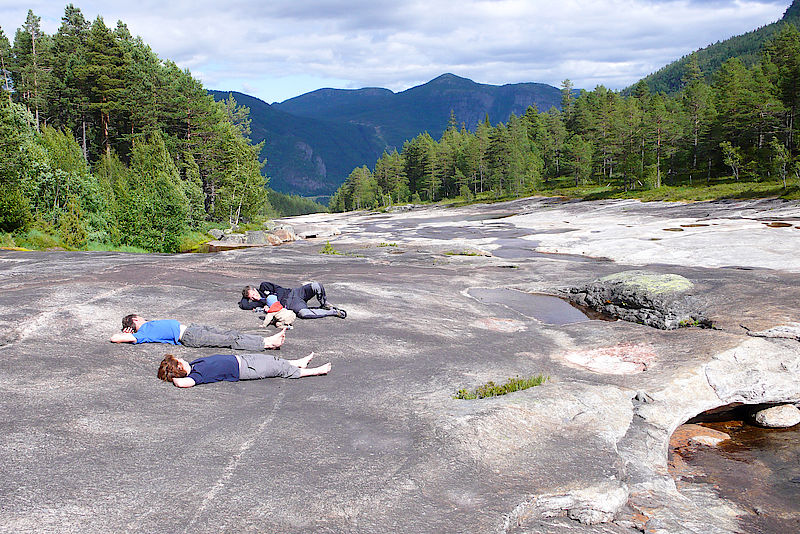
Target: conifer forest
point(736, 135)
point(103, 144)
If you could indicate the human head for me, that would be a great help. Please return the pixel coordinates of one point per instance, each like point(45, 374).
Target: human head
point(171, 367)
point(251, 293)
point(132, 322)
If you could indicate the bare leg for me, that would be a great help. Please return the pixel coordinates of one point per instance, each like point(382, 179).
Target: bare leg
point(321, 370)
point(276, 340)
point(302, 363)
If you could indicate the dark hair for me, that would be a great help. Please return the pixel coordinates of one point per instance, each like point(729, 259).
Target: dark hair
point(246, 290)
point(127, 322)
point(170, 368)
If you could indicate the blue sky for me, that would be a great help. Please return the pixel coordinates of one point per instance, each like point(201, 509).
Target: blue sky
point(278, 49)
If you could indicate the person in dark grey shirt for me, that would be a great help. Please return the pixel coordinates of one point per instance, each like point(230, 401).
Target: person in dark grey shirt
point(295, 299)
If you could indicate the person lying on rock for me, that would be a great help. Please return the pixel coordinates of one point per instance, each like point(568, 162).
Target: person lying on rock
point(295, 299)
point(232, 367)
point(136, 330)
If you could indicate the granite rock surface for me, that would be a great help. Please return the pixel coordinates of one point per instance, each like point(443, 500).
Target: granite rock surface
point(92, 441)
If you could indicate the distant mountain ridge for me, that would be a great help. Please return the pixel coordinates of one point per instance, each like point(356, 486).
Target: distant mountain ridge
point(314, 141)
point(747, 47)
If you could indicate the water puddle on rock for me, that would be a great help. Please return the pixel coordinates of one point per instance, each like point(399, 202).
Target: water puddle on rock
point(758, 469)
point(544, 308)
point(515, 248)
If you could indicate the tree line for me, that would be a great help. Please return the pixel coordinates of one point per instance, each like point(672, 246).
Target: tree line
point(102, 141)
point(742, 124)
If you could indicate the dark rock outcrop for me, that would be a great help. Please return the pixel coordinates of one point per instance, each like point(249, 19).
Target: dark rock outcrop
point(662, 301)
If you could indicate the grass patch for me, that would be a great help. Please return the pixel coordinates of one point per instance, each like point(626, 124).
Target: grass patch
point(192, 240)
point(96, 246)
point(387, 244)
point(328, 249)
point(462, 253)
point(490, 389)
point(37, 240)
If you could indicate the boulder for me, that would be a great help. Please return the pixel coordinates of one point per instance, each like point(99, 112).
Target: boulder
point(272, 239)
point(662, 301)
point(289, 229)
point(233, 238)
point(783, 416)
point(216, 233)
point(256, 237)
point(284, 235)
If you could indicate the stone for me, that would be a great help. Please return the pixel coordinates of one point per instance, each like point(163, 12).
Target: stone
point(694, 434)
point(283, 234)
point(255, 237)
point(233, 238)
point(784, 416)
point(287, 230)
point(273, 240)
point(663, 301)
point(216, 233)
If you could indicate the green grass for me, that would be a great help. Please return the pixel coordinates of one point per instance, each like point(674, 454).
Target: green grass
point(490, 389)
point(718, 188)
point(328, 249)
point(387, 244)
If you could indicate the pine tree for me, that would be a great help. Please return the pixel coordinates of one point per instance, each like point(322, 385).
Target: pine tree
point(103, 77)
point(31, 75)
point(5, 63)
point(698, 109)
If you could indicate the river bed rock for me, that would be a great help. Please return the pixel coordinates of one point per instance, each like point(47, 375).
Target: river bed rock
point(380, 444)
point(784, 416)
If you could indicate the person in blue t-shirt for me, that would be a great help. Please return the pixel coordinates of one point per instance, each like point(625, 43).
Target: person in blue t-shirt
point(231, 368)
point(135, 329)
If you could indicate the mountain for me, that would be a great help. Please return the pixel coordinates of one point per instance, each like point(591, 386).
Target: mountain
point(746, 47)
point(306, 156)
point(315, 140)
point(397, 117)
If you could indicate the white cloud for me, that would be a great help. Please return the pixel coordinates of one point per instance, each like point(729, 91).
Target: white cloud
point(279, 49)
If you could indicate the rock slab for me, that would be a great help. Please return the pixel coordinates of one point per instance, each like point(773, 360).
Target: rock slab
point(663, 301)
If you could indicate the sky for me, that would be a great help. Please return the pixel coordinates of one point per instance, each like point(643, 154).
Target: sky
point(278, 49)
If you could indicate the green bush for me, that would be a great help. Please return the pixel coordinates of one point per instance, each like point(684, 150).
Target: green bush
point(14, 209)
point(72, 228)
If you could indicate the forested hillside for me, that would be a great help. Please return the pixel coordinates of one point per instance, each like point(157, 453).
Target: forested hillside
point(306, 155)
point(746, 47)
point(102, 143)
point(315, 139)
point(742, 127)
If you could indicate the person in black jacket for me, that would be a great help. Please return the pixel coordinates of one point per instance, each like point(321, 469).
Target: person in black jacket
point(295, 299)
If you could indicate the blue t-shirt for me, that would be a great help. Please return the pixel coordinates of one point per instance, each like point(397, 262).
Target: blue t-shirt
point(215, 368)
point(161, 331)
